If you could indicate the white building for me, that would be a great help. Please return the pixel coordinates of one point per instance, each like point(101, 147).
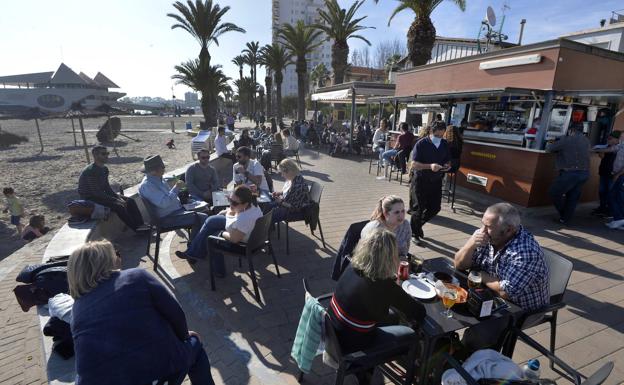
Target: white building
point(609, 36)
point(289, 11)
point(191, 99)
point(56, 91)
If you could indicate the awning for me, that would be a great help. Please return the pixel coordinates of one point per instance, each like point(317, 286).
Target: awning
point(342, 93)
point(470, 94)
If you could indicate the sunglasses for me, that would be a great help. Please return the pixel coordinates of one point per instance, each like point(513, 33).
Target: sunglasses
point(204, 157)
point(105, 153)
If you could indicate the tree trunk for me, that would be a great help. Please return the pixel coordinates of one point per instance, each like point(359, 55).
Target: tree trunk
point(278, 94)
point(301, 69)
point(204, 54)
point(209, 109)
point(268, 82)
point(340, 57)
point(420, 40)
point(253, 95)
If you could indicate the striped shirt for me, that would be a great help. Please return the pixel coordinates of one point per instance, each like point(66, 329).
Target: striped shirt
point(93, 183)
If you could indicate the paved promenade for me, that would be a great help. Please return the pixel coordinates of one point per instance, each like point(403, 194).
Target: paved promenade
point(249, 343)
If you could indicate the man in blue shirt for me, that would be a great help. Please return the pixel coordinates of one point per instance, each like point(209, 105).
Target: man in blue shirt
point(165, 199)
point(430, 159)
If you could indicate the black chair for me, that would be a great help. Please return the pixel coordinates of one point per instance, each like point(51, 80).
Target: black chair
point(449, 189)
point(258, 242)
point(597, 378)
point(155, 224)
point(269, 180)
point(559, 272)
point(382, 355)
point(398, 164)
point(375, 157)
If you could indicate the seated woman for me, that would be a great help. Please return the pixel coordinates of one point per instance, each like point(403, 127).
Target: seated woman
point(295, 195)
point(366, 291)
point(36, 228)
point(390, 214)
point(126, 325)
point(245, 140)
point(235, 225)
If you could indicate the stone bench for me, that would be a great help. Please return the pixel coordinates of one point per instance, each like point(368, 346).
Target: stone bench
point(72, 236)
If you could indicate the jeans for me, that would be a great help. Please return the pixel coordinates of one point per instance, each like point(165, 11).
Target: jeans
point(381, 151)
point(388, 155)
point(604, 191)
point(185, 218)
point(616, 199)
point(566, 191)
point(199, 366)
point(213, 225)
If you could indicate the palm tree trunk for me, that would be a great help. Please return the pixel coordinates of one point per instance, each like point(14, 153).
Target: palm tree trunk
point(420, 40)
point(301, 69)
point(253, 95)
point(268, 82)
point(278, 94)
point(340, 57)
point(209, 109)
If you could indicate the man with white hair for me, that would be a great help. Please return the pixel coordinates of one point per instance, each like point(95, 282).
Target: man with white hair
point(509, 258)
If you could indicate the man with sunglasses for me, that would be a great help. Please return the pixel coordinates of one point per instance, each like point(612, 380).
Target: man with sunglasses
point(201, 178)
point(93, 185)
point(248, 171)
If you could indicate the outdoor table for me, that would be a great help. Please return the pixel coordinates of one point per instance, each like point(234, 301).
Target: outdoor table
point(436, 326)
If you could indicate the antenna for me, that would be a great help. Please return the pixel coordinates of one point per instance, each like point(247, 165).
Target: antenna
point(490, 16)
point(487, 29)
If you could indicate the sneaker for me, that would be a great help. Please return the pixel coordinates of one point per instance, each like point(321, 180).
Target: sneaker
point(184, 255)
point(615, 224)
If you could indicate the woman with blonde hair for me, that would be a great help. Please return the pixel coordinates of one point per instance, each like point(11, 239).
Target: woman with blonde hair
point(126, 326)
point(294, 197)
point(389, 214)
point(366, 291)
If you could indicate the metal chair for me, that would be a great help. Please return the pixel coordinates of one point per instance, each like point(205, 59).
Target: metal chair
point(379, 355)
point(258, 241)
point(559, 271)
point(155, 223)
point(377, 162)
point(596, 378)
point(449, 189)
point(397, 164)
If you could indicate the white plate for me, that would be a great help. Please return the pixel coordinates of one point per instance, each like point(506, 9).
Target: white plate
point(419, 288)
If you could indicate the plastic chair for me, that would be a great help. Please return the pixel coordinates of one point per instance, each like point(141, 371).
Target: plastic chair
point(315, 196)
point(596, 378)
point(365, 360)
point(258, 241)
point(154, 222)
point(559, 271)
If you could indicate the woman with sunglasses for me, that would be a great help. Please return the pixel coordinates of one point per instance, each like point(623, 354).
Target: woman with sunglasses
point(234, 224)
point(390, 214)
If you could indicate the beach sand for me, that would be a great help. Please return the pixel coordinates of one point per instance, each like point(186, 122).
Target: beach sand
point(47, 182)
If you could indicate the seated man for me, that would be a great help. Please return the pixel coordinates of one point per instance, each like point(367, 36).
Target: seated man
point(201, 178)
point(248, 171)
point(511, 263)
point(168, 207)
point(220, 143)
point(291, 145)
point(93, 186)
point(403, 142)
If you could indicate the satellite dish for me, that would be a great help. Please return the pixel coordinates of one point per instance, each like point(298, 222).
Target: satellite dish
point(490, 16)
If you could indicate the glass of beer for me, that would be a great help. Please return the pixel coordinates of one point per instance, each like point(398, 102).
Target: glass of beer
point(449, 297)
point(474, 279)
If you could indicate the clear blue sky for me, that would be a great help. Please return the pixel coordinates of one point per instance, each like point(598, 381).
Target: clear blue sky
point(132, 43)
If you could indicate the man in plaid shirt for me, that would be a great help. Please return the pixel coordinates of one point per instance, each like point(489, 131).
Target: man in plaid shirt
point(509, 258)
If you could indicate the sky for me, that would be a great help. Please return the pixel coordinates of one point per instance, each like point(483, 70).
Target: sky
point(131, 41)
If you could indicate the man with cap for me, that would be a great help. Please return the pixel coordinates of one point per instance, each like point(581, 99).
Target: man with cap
point(93, 185)
point(165, 199)
point(573, 164)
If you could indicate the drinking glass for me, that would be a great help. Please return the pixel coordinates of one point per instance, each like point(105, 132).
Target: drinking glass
point(474, 279)
point(449, 297)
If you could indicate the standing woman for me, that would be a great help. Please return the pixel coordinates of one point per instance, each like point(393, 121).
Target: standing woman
point(456, 143)
point(389, 214)
point(127, 327)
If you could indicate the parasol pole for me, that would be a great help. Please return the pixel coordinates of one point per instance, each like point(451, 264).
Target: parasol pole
point(39, 133)
point(74, 131)
point(84, 139)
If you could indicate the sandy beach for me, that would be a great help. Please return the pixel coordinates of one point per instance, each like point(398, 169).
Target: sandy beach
point(46, 182)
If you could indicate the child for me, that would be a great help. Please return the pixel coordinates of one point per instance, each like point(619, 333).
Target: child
point(15, 207)
point(35, 229)
point(170, 144)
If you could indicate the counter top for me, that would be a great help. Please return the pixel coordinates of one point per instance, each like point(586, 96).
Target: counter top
point(517, 148)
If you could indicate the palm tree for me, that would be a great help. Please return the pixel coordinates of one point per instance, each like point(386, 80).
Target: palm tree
point(209, 80)
point(319, 74)
point(246, 88)
point(240, 62)
point(203, 21)
point(275, 58)
point(300, 40)
point(251, 54)
point(421, 34)
point(340, 26)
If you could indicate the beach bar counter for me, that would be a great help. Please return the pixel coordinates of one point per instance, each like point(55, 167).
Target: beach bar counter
point(512, 101)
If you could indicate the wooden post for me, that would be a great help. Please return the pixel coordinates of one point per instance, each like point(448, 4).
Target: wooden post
point(74, 132)
point(84, 139)
point(353, 112)
point(39, 133)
